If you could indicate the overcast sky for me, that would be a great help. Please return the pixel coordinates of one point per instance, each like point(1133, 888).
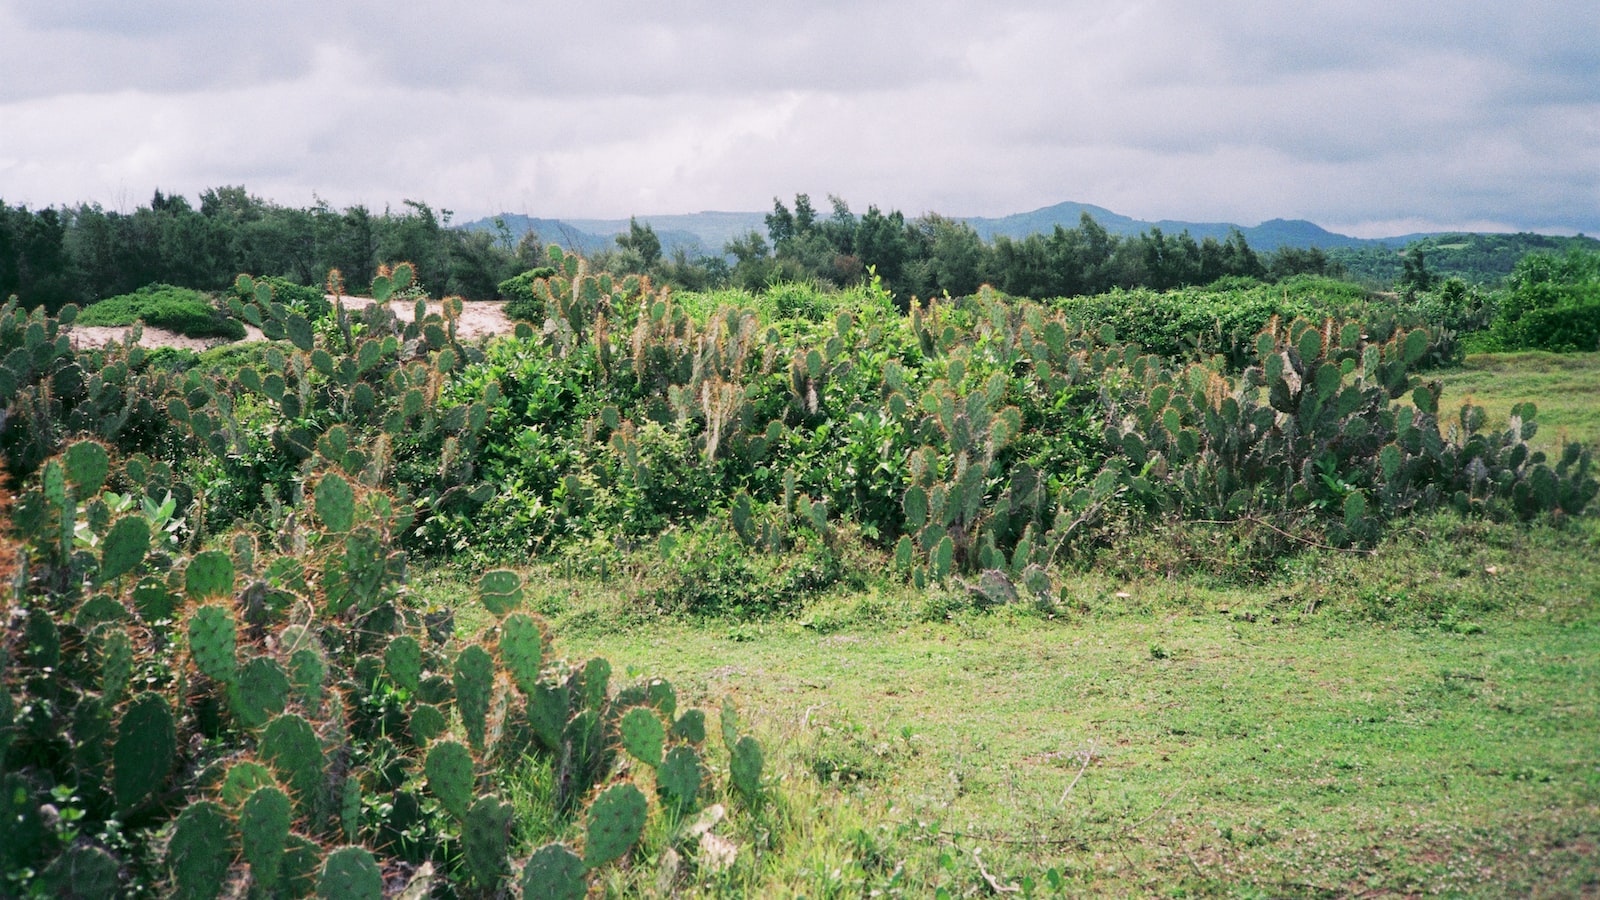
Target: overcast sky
point(1371, 118)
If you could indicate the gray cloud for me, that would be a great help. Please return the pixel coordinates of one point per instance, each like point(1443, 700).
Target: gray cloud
point(1362, 115)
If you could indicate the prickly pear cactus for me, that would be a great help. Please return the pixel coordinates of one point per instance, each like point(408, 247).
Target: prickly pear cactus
point(212, 640)
point(210, 574)
point(522, 650)
point(125, 546)
point(474, 683)
point(264, 830)
point(291, 747)
point(679, 777)
point(485, 835)
point(501, 591)
point(745, 768)
point(554, 872)
point(261, 692)
point(350, 873)
point(427, 723)
point(200, 852)
point(336, 503)
point(451, 776)
point(83, 871)
point(614, 823)
point(691, 726)
point(243, 779)
point(643, 735)
point(146, 747)
point(402, 659)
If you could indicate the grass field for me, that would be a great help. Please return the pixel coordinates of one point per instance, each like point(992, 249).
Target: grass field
point(1426, 720)
point(1422, 720)
point(1566, 388)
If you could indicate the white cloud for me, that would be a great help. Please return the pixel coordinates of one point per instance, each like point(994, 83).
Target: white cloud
point(1356, 113)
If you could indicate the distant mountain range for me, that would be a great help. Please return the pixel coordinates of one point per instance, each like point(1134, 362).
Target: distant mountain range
point(707, 232)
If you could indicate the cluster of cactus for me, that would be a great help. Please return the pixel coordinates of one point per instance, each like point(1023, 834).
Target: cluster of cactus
point(1316, 422)
point(301, 737)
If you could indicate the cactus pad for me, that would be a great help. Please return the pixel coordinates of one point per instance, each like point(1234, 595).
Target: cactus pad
point(474, 682)
point(402, 659)
point(501, 591)
point(730, 723)
point(200, 851)
point(87, 467)
point(264, 828)
point(291, 747)
point(451, 776)
point(350, 808)
point(212, 636)
point(261, 692)
point(153, 601)
point(691, 726)
point(147, 745)
point(335, 503)
point(745, 768)
point(643, 735)
point(522, 649)
point(83, 871)
point(307, 671)
point(548, 710)
point(662, 696)
point(484, 837)
point(116, 663)
point(554, 872)
point(210, 574)
point(614, 823)
point(427, 723)
point(125, 546)
point(243, 779)
point(350, 873)
point(679, 777)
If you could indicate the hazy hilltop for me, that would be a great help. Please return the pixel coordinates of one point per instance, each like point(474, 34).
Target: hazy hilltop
point(707, 232)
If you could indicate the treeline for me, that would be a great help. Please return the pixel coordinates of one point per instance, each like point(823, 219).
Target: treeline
point(1477, 259)
point(933, 255)
point(51, 257)
point(54, 256)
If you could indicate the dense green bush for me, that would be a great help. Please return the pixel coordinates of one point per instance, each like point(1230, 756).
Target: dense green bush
point(517, 291)
point(1552, 303)
point(309, 301)
point(187, 312)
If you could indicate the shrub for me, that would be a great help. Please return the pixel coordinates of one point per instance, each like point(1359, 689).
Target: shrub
point(518, 292)
point(187, 312)
point(1553, 304)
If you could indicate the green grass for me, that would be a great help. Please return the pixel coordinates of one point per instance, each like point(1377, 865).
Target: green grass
point(1566, 387)
point(1423, 720)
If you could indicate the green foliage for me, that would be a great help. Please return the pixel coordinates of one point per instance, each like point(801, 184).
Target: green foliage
point(1552, 303)
point(187, 312)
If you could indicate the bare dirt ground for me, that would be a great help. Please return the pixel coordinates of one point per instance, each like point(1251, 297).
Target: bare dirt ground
point(479, 318)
